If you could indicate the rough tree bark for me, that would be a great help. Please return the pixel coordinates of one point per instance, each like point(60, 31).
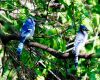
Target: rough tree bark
point(6, 38)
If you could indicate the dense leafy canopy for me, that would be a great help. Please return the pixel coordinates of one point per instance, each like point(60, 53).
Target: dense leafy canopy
point(57, 22)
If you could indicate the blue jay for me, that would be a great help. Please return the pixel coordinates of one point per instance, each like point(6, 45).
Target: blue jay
point(79, 42)
point(26, 32)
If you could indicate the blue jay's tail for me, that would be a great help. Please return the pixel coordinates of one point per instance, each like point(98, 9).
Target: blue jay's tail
point(76, 62)
point(75, 59)
point(19, 49)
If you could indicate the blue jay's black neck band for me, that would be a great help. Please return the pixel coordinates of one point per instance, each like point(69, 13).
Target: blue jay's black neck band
point(82, 32)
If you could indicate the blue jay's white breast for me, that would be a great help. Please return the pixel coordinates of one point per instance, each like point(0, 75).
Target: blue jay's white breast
point(80, 40)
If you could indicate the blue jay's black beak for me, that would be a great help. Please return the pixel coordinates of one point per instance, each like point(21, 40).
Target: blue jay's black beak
point(86, 29)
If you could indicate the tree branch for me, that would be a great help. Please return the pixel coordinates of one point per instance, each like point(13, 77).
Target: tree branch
point(6, 38)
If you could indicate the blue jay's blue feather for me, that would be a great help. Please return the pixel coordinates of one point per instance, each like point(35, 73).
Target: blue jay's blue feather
point(79, 42)
point(27, 31)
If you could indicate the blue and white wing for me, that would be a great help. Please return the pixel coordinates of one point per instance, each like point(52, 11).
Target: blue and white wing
point(79, 41)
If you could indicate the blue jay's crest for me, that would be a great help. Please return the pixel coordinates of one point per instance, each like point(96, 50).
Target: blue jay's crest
point(30, 21)
point(83, 28)
point(29, 24)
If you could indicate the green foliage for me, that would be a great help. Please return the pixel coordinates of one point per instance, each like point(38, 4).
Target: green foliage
point(54, 24)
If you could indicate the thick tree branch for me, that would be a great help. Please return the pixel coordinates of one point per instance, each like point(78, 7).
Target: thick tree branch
point(6, 38)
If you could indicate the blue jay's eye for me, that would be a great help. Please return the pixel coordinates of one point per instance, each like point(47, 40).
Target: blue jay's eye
point(85, 29)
